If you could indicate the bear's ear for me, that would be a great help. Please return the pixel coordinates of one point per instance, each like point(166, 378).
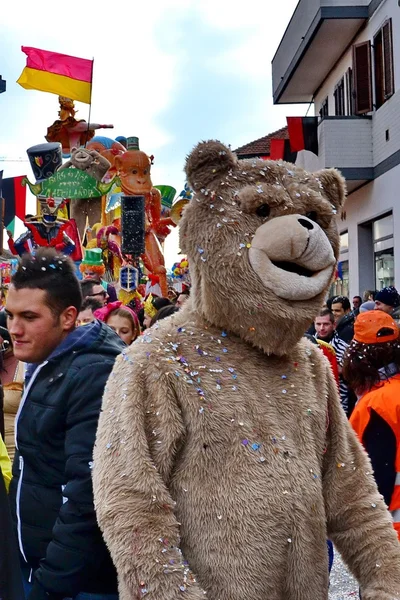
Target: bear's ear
point(208, 161)
point(333, 185)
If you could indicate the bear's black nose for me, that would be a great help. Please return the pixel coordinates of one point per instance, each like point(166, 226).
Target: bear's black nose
point(307, 224)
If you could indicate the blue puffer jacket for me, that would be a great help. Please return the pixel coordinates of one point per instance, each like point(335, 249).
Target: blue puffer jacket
point(51, 493)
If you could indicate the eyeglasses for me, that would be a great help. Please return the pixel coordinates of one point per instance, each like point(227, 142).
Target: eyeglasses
point(98, 294)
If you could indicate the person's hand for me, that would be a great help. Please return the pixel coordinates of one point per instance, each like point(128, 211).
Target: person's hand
point(9, 233)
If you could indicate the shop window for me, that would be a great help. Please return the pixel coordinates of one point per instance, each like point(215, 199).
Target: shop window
point(339, 98)
point(344, 242)
point(383, 64)
point(362, 78)
point(340, 287)
point(383, 252)
point(384, 268)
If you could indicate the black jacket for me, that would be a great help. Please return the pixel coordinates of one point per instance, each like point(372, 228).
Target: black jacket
point(345, 328)
point(10, 574)
point(51, 492)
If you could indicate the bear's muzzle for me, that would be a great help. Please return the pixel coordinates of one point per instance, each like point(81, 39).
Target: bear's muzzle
point(293, 257)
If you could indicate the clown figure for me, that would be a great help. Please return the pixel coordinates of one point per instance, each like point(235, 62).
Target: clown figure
point(92, 266)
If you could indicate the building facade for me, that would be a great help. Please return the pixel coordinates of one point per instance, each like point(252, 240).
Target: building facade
point(343, 57)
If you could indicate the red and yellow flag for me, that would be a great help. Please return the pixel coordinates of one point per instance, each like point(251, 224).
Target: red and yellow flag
point(58, 74)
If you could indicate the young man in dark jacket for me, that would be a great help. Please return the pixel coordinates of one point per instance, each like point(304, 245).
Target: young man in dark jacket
point(344, 318)
point(61, 548)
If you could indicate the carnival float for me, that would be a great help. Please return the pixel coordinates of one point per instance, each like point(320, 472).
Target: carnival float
point(96, 202)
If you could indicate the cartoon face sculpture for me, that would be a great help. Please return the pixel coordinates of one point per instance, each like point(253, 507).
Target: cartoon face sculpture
point(134, 172)
point(49, 209)
point(108, 148)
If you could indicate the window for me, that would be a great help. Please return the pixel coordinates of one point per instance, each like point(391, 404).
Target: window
point(324, 110)
point(340, 287)
point(339, 98)
point(383, 251)
point(383, 64)
point(362, 78)
point(344, 243)
point(350, 92)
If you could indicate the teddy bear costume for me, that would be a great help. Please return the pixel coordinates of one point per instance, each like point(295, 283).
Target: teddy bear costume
point(223, 458)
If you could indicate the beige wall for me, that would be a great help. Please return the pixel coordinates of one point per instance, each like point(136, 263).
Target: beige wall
point(369, 203)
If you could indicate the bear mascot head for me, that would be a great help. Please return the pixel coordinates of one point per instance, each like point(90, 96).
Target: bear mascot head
point(262, 242)
point(223, 459)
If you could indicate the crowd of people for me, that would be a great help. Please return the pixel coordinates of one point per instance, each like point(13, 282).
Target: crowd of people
point(59, 340)
point(334, 325)
point(364, 351)
point(63, 335)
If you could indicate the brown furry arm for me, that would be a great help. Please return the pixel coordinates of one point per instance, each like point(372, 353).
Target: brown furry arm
point(357, 518)
point(139, 432)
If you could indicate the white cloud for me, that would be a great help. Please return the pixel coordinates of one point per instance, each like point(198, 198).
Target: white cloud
point(145, 55)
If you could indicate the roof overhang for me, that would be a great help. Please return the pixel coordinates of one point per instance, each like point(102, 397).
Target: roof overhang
point(329, 34)
point(356, 178)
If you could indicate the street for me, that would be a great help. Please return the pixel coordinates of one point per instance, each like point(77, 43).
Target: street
point(343, 585)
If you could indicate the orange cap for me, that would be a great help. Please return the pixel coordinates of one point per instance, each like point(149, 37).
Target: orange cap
point(375, 327)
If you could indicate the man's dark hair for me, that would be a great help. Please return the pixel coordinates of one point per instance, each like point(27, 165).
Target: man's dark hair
point(358, 298)
point(91, 303)
point(164, 312)
point(159, 302)
point(53, 273)
point(329, 302)
point(324, 312)
point(87, 286)
point(140, 316)
point(343, 300)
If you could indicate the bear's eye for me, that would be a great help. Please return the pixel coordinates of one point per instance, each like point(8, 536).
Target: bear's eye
point(312, 216)
point(263, 210)
point(134, 172)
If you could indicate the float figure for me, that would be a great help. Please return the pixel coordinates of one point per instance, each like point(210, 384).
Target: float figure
point(68, 131)
point(49, 230)
point(134, 168)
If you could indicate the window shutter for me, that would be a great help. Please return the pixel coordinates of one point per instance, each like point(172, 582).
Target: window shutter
point(362, 78)
point(388, 58)
point(349, 85)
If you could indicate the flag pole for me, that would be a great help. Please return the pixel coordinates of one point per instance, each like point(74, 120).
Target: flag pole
point(309, 106)
point(90, 105)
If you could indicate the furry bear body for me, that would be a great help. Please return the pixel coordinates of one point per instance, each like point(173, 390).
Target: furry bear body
point(223, 458)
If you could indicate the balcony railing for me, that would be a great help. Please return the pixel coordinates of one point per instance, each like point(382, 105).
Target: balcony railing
point(346, 144)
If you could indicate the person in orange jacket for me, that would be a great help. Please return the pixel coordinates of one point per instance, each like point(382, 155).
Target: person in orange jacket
point(372, 369)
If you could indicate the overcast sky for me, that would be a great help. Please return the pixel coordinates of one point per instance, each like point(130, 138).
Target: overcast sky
point(171, 72)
